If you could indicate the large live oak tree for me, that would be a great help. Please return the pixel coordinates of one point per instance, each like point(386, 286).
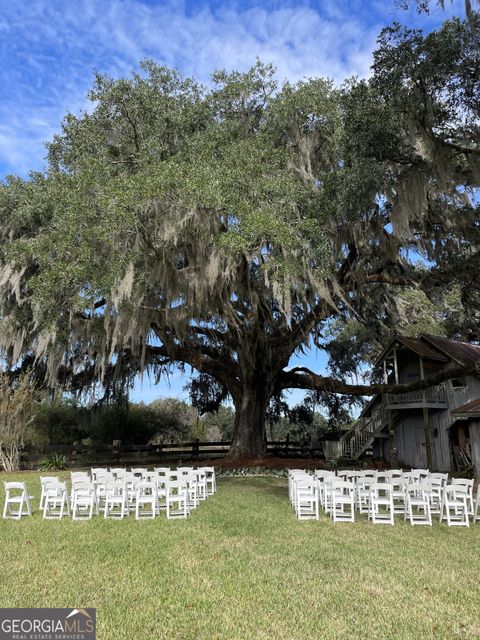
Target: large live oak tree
point(226, 228)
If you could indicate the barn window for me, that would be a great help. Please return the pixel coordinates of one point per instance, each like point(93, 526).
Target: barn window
point(459, 383)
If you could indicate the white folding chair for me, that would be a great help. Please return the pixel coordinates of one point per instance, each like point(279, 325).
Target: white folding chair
point(323, 478)
point(442, 476)
point(145, 500)
point(363, 493)
point(131, 481)
point(423, 474)
point(78, 477)
point(43, 481)
point(83, 500)
point(138, 471)
point(468, 484)
point(162, 470)
point(343, 501)
point(296, 476)
point(395, 473)
point(184, 471)
point(412, 477)
point(100, 484)
point(476, 515)
point(116, 500)
point(417, 504)
point(201, 481)
point(177, 500)
point(399, 485)
point(210, 479)
point(436, 483)
point(118, 473)
point(82, 476)
point(56, 502)
point(306, 499)
point(190, 478)
point(381, 503)
point(291, 485)
point(352, 476)
point(455, 506)
point(98, 471)
point(17, 501)
point(160, 481)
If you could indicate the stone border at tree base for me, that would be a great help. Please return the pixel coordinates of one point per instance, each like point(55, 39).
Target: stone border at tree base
point(276, 467)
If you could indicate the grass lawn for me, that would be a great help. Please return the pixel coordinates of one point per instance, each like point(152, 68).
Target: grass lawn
point(242, 567)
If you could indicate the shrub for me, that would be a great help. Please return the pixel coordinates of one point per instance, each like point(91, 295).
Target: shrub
point(54, 462)
point(18, 406)
point(61, 422)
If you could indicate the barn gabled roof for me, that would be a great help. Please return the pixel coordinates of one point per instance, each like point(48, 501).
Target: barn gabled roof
point(436, 348)
point(464, 353)
point(417, 345)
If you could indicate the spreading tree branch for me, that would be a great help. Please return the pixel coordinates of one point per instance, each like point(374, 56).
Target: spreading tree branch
point(303, 378)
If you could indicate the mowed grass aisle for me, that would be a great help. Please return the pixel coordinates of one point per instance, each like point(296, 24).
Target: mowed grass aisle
point(242, 567)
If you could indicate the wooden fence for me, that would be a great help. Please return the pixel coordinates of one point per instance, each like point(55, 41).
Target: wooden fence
point(146, 455)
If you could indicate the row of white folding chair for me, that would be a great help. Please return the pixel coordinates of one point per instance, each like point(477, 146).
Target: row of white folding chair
point(117, 498)
point(340, 497)
point(164, 488)
point(205, 476)
point(148, 476)
point(85, 495)
point(113, 493)
point(336, 495)
point(379, 500)
point(382, 476)
point(385, 499)
point(389, 476)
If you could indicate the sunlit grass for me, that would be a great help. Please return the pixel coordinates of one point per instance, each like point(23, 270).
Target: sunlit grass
point(242, 567)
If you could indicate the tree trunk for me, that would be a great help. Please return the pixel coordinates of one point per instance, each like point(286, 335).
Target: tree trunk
point(10, 458)
point(249, 436)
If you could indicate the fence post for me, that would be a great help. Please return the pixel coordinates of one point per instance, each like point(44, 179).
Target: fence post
point(117, 444)
point(196, 449)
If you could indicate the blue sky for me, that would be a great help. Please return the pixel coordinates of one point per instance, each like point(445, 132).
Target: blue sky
point(49, 49)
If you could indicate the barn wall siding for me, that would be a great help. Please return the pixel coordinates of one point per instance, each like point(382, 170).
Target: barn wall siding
point(475, 445)
point(410, 439)
point(411, 434)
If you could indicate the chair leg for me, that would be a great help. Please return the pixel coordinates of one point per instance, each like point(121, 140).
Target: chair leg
point(20, 509)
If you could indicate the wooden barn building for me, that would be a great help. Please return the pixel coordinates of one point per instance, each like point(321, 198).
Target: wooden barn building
point(436, 428)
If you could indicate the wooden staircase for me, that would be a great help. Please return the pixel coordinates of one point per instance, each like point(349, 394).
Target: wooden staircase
point(361, 436)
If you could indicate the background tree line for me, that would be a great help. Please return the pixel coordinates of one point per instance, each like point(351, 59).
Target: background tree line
point(27, 418)
point(166, 420)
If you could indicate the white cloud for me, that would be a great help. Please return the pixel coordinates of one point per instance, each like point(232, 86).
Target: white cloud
point(51, 48)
